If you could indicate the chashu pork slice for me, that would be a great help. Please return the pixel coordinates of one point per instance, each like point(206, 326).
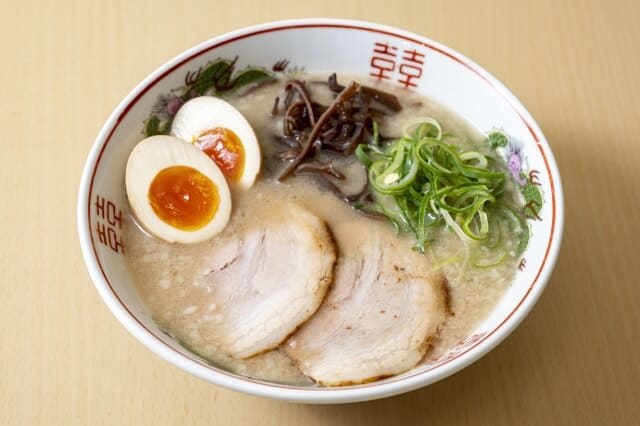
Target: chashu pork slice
point(266, 279)
point(379, 317)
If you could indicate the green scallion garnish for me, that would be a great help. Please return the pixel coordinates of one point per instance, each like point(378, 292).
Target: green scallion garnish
point(421, 183)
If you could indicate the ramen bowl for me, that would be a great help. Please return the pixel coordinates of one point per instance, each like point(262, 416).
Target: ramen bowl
point(294, 48)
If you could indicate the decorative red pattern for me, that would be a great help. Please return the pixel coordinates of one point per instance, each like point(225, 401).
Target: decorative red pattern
point(383, 62)
point(454, 352)
point(320, 26)
point(411, 68)
point(106, 230)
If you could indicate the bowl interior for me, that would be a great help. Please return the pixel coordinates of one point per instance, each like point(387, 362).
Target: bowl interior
point(398, 57)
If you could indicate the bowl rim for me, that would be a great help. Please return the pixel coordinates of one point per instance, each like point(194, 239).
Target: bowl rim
point(356, 393)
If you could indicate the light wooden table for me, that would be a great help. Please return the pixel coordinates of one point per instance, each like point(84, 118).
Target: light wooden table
point(65, 359)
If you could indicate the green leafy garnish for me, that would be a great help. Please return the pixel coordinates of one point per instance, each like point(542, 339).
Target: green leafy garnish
point(153, 126)
point(249, 77)
point(421, 183)
point(497, 139)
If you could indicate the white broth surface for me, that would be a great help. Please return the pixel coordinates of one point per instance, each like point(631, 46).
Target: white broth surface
point(166, 274)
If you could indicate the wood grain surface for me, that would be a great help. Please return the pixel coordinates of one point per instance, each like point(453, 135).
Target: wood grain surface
point(66, 360)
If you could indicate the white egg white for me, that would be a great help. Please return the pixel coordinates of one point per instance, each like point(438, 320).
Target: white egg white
point(155, 154)
point(204, 113)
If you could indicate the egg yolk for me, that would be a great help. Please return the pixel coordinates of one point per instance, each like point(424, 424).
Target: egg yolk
point(183, 197)
point(225, 149)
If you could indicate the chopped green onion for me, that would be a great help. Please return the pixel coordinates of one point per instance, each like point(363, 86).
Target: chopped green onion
point(423, 127)
point(421, 183)
point(376, 135)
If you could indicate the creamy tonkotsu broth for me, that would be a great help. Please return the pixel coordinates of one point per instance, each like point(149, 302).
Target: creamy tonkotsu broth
point(167, 275)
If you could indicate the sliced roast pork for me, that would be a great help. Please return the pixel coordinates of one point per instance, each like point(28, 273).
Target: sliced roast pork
point(380, 315)
point(267, 279)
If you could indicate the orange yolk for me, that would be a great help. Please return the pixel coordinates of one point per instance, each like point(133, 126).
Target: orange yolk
point(225, 149)
point(183, 197)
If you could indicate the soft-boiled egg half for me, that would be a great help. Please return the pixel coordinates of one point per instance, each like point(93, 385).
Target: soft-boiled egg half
point(175, 191)
point(222, 132)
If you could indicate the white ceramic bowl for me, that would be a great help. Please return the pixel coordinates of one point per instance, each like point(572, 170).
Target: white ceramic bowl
point(324, 45)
